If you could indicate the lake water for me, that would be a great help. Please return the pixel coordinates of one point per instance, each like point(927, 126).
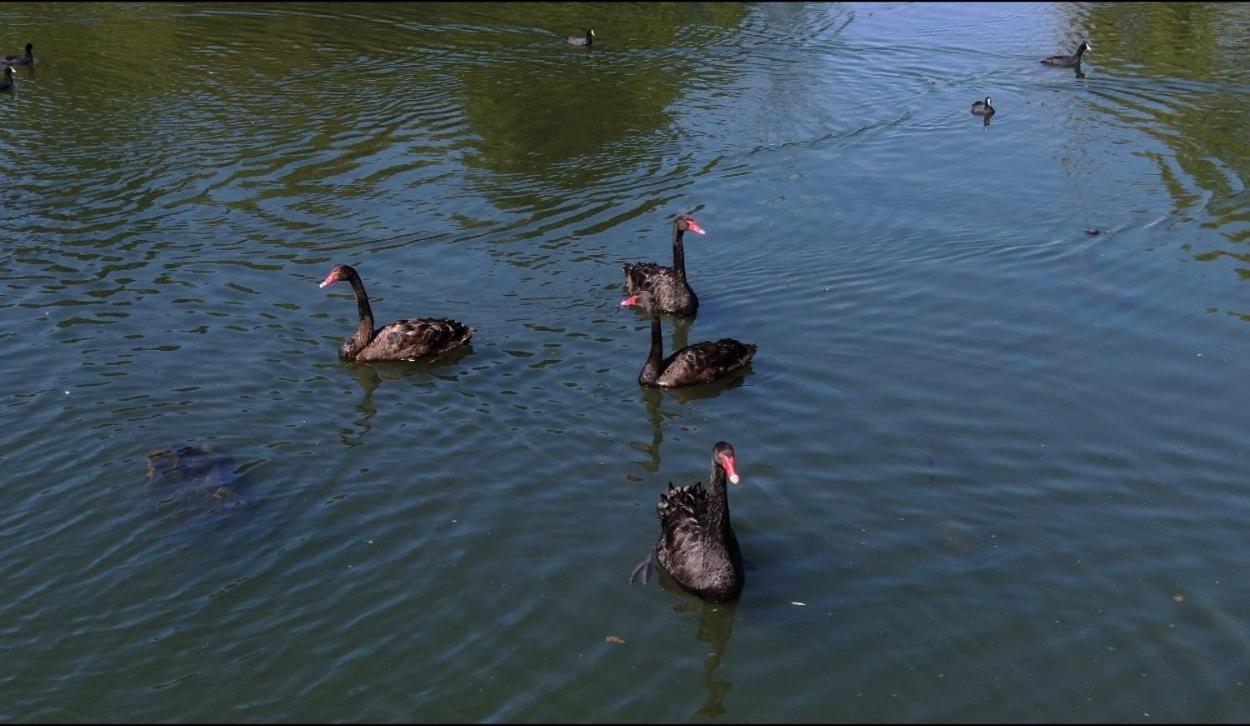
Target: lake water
point(993, 464)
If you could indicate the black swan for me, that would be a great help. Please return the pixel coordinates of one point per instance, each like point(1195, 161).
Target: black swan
point(1069, 60)
point(983, 108)
point(586, 39)
point(8, 84)
point(668, 284)
point(698, 363)
point(402, 339)
point(697, 545)
point(22, 60)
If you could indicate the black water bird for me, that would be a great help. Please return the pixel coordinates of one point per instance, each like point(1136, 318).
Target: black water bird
point(401, 340)
point(22, 60)
point(586, 39)
point(667, 285)
point(699, 363)
point(983, 108)
point(697, 545)
point(1068, 61)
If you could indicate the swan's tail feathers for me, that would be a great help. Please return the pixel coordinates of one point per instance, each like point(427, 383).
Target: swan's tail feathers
point(644, 568)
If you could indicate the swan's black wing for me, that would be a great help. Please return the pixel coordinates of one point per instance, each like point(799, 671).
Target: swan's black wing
point(647, 276)
point(681, 511)
point(415, 338)
point(670, 293)
point(705, 362)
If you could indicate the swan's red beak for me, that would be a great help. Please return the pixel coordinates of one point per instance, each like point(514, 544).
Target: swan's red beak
point(731, 468)
point(332, 278)
point(630, 301)
point(693, 226)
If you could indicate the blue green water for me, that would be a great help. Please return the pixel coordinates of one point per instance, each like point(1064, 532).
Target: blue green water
point(992, 463)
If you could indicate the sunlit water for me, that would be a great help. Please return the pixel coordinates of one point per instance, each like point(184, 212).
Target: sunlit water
point(993, 463)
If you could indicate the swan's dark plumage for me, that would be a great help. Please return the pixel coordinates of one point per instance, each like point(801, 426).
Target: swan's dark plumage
point(1069, 60)
point(697, 545)
point(586, 39)
point(699, 363)
point(704, 362)
point(401, 340)
point(667, 285)
point(22, 60)
point(8, 84)
point(983, 108)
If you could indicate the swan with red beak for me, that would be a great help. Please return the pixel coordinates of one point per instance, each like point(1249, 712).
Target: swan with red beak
point(702, 362)
point(667, 285)
point(697, 545)
point(411, 339)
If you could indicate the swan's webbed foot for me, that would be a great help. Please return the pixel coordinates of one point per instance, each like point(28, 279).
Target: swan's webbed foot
point(645, 568)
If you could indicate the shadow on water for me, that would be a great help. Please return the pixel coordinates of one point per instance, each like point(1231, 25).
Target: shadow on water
point(652, 400)
point(370, 377)
point(716, 625)
point(681, 332)
point(678, 324)
point(688, 394)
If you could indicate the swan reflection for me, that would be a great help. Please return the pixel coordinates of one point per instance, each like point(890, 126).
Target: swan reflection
point(715, 627)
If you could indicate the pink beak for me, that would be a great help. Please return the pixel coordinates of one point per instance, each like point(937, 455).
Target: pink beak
point(330, 280)
point(731, 468)
point(631, 300)
point(693, 226)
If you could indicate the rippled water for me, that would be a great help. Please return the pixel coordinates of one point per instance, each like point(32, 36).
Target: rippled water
point(993, 463)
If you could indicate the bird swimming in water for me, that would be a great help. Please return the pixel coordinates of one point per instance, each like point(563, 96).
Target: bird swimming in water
point(983, 108)
point(586, 39)
point(1067, 61)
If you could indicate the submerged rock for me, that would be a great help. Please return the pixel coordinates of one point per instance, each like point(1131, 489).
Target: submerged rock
point(190, 482)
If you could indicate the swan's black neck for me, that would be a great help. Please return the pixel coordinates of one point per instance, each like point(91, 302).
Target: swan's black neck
point(364, 331)
point(1080, 50)
point(718, 504)
point(679, 253)
point(651, 369)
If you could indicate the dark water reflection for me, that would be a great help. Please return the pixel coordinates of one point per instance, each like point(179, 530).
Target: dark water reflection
point(1000, 459)
point(715, 627)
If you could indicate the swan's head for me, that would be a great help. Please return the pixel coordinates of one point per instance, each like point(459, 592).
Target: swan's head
point(987, 101)
point(29, 48)
point(723, 456)
point(590, 33)
point(340, 272)
point(1084, 46)
point(686, 223)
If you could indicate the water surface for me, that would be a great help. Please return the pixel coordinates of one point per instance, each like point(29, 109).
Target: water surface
point(993, 463)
